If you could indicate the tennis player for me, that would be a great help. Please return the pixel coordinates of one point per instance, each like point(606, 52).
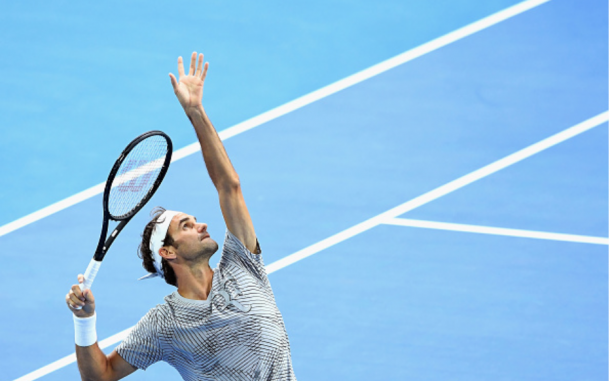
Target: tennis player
point(220, 324)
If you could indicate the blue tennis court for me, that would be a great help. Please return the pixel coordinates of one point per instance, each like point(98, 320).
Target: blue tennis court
point(428, 180)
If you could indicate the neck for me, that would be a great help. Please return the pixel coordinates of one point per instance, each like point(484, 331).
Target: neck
point(194, 282)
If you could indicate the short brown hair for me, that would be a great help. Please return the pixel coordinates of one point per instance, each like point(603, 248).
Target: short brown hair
point(145, 253)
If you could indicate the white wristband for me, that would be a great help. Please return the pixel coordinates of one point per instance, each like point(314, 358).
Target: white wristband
point(84, 331)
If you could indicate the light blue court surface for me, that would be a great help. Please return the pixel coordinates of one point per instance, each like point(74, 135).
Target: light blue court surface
point(389, 303)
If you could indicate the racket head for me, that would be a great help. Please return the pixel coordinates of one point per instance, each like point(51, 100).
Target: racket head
point(137, 174)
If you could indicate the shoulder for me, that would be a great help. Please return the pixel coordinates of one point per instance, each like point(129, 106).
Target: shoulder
point(234, 251)
point(233, 244)
point(236, 256)
point(157, 314)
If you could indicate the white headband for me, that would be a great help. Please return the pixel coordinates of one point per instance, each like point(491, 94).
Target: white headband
point(156, 241)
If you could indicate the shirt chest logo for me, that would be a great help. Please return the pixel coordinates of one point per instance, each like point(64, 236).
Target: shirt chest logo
point(229, 301)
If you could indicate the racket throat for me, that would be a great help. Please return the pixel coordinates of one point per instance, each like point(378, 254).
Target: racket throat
point(104, 243)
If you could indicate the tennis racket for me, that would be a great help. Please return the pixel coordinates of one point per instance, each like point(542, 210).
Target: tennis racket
point(133, 180)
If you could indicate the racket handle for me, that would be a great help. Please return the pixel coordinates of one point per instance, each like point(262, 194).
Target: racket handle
point(90, 274)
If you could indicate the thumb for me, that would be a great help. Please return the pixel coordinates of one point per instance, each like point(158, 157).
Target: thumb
point(174, 81)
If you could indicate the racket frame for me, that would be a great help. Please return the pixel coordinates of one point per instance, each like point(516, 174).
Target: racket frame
point(105, 243)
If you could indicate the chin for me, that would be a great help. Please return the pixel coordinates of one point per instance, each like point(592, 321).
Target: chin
point(210, 246)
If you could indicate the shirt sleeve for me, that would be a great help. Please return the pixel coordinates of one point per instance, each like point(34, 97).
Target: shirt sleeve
point(234, 252)
point(142, 348)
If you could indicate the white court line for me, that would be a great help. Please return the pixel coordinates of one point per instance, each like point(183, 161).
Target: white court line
point(377, 220)
point(443, 190)
point(298, 103)
point(496, 231)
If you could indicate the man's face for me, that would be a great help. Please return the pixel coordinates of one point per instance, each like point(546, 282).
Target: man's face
point(191, 239)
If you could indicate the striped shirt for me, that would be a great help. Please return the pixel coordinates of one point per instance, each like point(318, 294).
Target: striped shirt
point(238, 333)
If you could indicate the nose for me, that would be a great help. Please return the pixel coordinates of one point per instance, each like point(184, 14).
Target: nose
point(202, 227)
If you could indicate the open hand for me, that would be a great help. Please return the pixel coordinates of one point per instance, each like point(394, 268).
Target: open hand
point(189, 88)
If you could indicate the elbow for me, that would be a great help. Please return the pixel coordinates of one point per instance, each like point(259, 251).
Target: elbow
point(94, 378)
point(231, 184)
point(98, 378)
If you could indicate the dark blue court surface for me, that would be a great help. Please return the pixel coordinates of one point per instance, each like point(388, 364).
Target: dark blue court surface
point(391, 303)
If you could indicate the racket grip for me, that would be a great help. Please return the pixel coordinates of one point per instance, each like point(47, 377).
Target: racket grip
point(90, 274)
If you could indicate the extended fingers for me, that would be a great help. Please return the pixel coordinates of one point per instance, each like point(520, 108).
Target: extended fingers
point(196, 68)
point(180, 68)
point(199, 64)
point(205, 69)
point(193, 63)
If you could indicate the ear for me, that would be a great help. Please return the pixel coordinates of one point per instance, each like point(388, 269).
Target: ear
point(167, 252)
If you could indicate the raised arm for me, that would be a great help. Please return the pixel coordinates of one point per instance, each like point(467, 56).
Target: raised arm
point(189, 91)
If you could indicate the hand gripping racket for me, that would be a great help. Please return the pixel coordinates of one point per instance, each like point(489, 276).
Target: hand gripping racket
point(133, 180)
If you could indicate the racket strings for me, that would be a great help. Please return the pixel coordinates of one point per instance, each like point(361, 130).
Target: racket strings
point(136, 176)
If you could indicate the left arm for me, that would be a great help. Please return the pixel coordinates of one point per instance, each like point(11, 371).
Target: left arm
point(189, 91)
